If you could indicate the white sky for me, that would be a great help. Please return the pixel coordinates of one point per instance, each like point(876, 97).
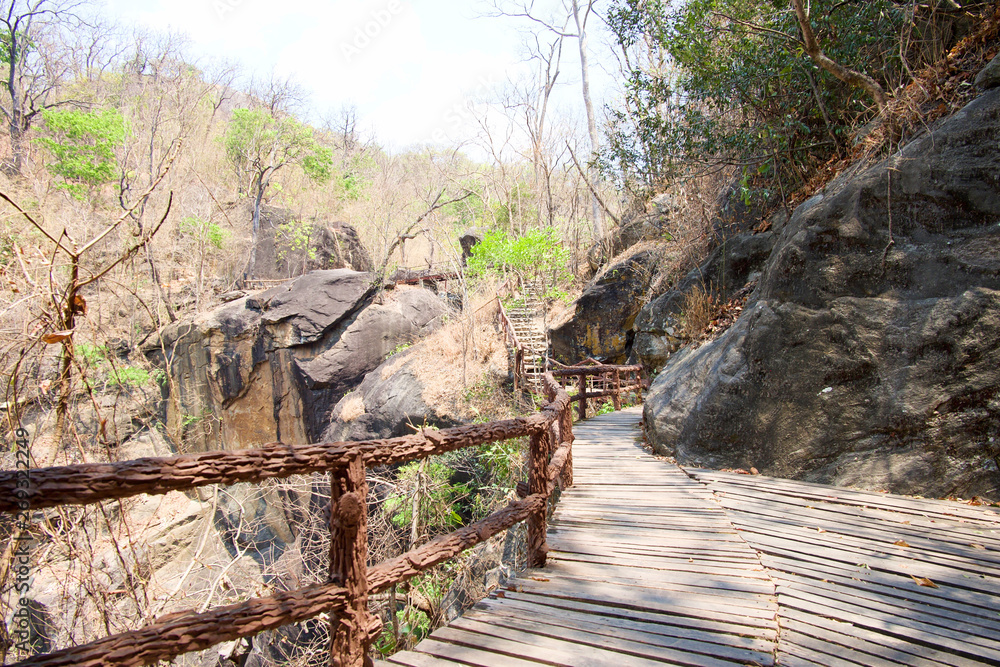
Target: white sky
point(409, 66)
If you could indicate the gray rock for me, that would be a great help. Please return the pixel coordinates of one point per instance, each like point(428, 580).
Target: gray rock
point(378, 330)
point(868, 359)
point(388, 403)
point(989, 76)
point(601, 321)
point(270, 366)
point(280, 254)
point(725, 273)
point(303, 310)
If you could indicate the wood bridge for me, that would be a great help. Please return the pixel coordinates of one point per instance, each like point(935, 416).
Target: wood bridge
point(649, 564)
point(644, 563)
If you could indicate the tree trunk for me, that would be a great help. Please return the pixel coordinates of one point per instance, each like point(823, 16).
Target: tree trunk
point(255, 226)
point(595, 140)
point(844, 74)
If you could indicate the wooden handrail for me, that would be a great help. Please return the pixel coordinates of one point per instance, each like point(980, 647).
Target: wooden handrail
point(623, 379)
point(345, 596)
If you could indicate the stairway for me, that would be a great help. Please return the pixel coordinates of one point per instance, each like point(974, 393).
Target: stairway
point(528, 319)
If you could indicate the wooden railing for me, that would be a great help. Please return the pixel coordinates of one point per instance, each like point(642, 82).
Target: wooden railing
point(418, 274)
point(595, 380)
point(515, 344)
point(345, 596)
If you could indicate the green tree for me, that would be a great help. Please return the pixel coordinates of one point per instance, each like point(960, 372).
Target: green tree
point(738, 83)
point(537, 254)
point(82, 144)
point(258, 144)
point(33, 65)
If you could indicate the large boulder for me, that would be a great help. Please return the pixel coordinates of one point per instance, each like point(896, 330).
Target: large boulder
point(871, 356)
point(600, 322)
point(289, 246)
point(268, 367)
point(388, 403)
point(731, 269)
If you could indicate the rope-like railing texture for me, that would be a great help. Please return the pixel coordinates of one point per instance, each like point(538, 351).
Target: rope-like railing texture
point(345, 596)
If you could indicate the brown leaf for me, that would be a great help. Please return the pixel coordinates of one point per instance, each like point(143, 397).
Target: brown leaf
point(901, 543)
point(977, 546)
point(924, 581)
point(754, 471)
point(79, 304)
point(539, 578)
point(56, 337)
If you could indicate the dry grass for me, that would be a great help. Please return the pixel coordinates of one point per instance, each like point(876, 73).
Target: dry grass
point(354, 407)
point(700, 308)
point(461, 364)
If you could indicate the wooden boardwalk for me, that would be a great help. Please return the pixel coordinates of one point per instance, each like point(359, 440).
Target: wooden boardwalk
point(652, 565)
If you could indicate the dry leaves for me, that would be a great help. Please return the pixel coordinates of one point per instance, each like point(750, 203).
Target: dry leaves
point(924, 581)
point(901, 543)
point(56, 337)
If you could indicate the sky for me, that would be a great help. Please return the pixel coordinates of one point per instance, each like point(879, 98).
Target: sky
point(410, 67)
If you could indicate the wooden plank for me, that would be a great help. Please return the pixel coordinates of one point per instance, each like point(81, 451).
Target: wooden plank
point(953, 531)
point(678, 651)
point(942, 508)
point(876, 653)
point(897, 625)
point(919, 652)
point(638, 630)
point(921, 543)
point(606, 609)
point(475, 656)
point(888, 603)
point(411, 659)
point(763, 539)
point(652, 600)
point(966, 601)
point(722, 584)
point(543, 649)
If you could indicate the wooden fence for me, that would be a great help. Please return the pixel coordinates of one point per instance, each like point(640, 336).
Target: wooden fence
point(595, 380)
point(345, 596)
point(515, 344)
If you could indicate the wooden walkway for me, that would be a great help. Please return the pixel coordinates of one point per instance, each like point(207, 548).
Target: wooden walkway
point(652, 565)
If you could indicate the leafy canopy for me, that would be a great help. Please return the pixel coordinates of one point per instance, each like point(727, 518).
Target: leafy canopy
point(538, 253)
point(257, 144)
point(727, 82)
point(82, 144)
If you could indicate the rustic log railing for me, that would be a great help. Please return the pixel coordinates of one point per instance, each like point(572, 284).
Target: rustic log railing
point(515, 344)
point(419, 274)
point(345, 596)
point(595, 380)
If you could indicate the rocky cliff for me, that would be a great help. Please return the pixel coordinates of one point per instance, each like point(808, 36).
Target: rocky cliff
point(869, 354)
point(269, 366)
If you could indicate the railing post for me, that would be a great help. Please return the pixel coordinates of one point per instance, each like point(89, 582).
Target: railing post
point(583, 396)
point(617, 398)
point(566, 434)
point(353, 630)
point(538, 482)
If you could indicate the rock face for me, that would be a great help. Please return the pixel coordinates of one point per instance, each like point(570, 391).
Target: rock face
point(730, 269)
point(989, 76)
point(388, 403)
point(269, 366)
point(290, 247)
point(869, 354)
point(601, 322)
